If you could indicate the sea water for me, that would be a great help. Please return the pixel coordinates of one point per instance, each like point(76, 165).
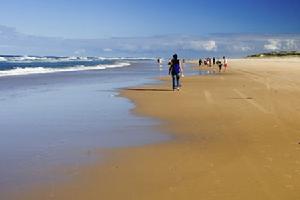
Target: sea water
point(57, 111)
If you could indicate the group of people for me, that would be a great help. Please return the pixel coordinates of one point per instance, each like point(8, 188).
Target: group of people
point(176, 68)
point(213, 61)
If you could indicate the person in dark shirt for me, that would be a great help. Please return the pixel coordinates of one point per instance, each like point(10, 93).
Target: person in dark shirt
point(175, 71)
point(200, 62)
point(219, 63)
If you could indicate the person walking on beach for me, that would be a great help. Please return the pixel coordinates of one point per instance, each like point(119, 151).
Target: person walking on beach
point(214, 60)
point(219, 63)
point(225, 62)
point(200, 62)
point(175, 71)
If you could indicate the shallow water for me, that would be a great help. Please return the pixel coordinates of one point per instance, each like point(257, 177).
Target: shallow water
point(49, 121)
point(52, 120)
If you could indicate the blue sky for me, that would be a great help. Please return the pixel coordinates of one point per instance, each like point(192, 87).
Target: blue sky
point(135, 20)
point(131, 18)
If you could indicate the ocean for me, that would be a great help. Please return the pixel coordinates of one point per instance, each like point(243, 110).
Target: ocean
point(23, 65)
point(57, 112)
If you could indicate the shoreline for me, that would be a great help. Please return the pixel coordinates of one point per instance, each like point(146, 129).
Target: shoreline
point(71, 116)
point(237, 137)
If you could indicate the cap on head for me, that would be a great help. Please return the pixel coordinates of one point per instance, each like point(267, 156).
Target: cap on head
point(175, 56)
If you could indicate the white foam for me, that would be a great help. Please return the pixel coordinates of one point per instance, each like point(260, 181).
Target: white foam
point(42, 70)
point(29, 59)
point(3, 59)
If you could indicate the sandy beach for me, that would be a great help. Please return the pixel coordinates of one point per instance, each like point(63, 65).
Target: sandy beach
point(236, 135)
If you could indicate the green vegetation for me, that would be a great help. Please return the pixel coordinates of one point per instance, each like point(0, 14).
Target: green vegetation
point(276, 54)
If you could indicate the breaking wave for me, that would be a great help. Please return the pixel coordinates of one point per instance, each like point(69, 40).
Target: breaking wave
point(44, 70)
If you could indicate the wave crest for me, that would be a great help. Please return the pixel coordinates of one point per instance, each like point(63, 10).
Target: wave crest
point(43, 70)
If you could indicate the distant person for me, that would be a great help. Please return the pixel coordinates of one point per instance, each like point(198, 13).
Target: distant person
point(200, 62)
point(219, 63)
point(175, 71)
point(214, 60)
point(181, 65)
point(169, 62)
point(209, 62)
point(159, 61)
point(225, 62)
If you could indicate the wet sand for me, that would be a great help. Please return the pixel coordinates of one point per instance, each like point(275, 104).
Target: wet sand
point(236, 136)
point(56, 120)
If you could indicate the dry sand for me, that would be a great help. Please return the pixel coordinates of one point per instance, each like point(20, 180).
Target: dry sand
point(236, 137)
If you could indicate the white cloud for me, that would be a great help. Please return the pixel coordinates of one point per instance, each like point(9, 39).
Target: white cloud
point(282, 44)
point(210, 45)
point(79, 51)
point(128, 46)
point(273, 44)
point(199, 45)
point(240, 47)
point(6, 46)
point(291, 44)
point(107, 50)
point(14, 42)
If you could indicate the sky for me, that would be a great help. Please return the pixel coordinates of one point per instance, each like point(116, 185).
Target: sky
point(134, 22)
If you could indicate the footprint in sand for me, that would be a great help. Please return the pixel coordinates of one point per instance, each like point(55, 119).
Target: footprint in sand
point(208, 97)
point(172, 188)
point(267, 166)
point(286, 155)
point(297, 171)
point(172, 169)
point(291, 187)
point(269, 159)
point(288, 176)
